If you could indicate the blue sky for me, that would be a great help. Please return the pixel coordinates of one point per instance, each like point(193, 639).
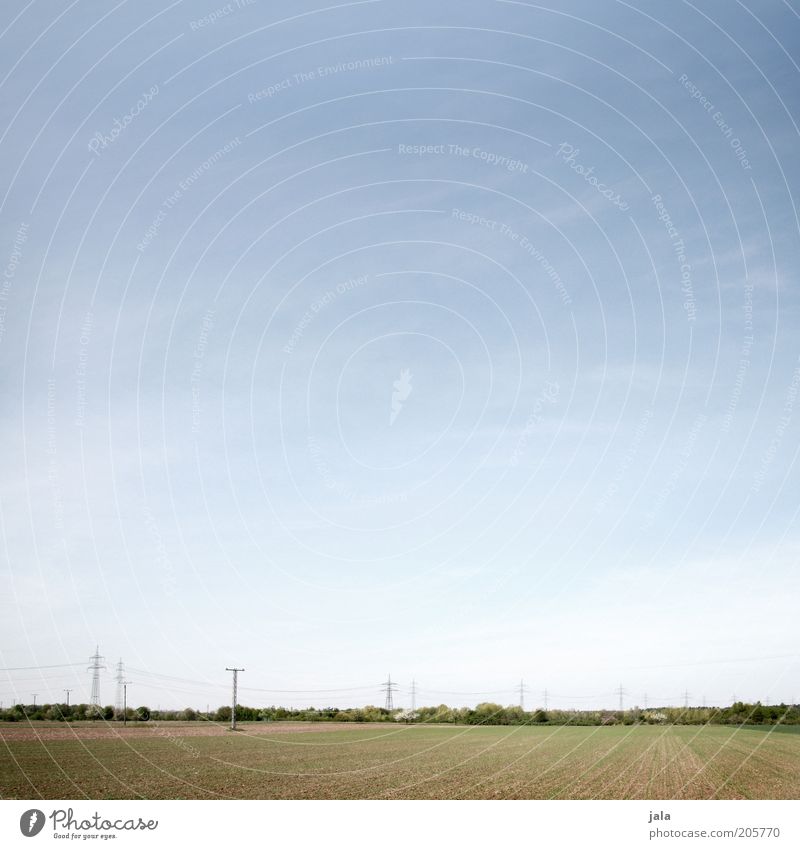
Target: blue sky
point(457, 341)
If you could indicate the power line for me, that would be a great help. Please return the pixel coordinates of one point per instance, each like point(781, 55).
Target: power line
point(300, 692)
point(42, 678)
point(48, 676)
point(722, 660)
point(175, 677)
point(252, 689)
point(167, 688)
point(593, 696)
point(469, 692)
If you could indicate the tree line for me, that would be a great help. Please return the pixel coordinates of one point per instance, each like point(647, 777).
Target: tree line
point(486, 713)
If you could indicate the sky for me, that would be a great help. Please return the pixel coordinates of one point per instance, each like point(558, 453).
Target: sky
point(453, 341)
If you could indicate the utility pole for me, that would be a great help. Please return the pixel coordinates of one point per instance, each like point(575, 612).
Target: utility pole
point(389, 688)
point(236, 670)
point(413, 694)
point(67, 692)
point(620, 691)
point(685, 699)
point(96, 664)
point(34, 699)
point(521, 689)
point(124, 701)
point(544, 696)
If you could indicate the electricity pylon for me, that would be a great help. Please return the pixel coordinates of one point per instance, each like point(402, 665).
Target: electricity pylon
point(96, 664)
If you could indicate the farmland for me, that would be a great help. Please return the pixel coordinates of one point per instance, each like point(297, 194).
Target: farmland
point(337, 761)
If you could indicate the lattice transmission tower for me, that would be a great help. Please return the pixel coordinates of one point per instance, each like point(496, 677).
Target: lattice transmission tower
point(521, 689)
point(95, 665)
point(389, 687)
point(120, 679)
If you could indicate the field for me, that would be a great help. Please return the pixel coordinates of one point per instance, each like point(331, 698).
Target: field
point(338, 761)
